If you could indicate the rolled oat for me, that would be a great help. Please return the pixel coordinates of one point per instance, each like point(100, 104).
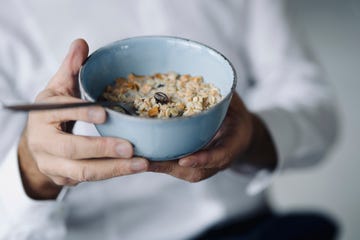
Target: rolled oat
point(164, 95)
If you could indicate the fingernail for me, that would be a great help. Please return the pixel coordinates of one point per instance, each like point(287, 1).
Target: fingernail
point(96, 115)
point(138, 165)
point(124, 150)
point(186, 162)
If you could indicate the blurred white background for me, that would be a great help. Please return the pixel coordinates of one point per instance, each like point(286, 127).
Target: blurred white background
point(332, 29)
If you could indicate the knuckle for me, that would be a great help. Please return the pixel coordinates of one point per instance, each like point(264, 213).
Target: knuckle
point(69, 182)
point(100, 145)
point(59, 181)
point(64, 181)
point(80, 113)
point(42, 166)
point(117, 170)
point(85, 174)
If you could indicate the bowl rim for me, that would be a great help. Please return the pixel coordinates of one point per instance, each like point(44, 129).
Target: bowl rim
point(165, 37)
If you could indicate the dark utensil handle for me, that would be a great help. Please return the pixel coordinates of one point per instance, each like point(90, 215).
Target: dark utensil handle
point(51, 106)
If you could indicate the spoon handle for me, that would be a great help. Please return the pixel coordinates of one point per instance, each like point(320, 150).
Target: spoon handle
point(51, 106)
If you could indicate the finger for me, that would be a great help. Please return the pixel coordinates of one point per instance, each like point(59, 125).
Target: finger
point(215, 157)
point(91, 169)
point(61, 181)
point(101, 169)
point(188, 174)
point(65, 80)
point(82, 147)
point(93, 114)
point(230, 141)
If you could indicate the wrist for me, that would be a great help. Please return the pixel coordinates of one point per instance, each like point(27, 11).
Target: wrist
point(261, 152)
point(36, 185)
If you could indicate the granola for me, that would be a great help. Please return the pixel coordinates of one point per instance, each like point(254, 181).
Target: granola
point(164, 95)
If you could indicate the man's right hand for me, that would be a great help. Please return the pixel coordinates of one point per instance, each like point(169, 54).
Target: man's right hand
point(51, 157)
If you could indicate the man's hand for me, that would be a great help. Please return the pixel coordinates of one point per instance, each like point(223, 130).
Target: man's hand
point(242, 139)
point(50, 157)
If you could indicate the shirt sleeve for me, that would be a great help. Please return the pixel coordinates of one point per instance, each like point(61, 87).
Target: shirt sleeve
point(289, 93)
point(24, 67)
point(21, 216)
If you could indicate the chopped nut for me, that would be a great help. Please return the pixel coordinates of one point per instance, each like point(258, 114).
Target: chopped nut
point(159, 75)
point(197, 79)
point(131, 85)
point(153, 112)
point(185, 77)
point(181, 106)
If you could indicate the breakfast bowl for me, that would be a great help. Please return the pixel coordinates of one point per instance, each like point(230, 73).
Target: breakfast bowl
point(159, 139)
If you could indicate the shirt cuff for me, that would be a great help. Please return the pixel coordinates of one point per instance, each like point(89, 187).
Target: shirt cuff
point(15, 205)
point(280, 125)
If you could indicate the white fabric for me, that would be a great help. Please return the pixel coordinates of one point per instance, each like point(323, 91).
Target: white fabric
point(287, 91)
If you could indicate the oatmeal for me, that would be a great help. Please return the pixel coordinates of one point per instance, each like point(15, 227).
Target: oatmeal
point(164, 95)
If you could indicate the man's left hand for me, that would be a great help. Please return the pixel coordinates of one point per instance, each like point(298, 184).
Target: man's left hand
point(242, 137)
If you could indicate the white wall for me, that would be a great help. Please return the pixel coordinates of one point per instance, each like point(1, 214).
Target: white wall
point(332, 28)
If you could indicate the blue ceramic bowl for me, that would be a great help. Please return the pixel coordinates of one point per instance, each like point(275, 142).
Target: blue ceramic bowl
point(159, 139)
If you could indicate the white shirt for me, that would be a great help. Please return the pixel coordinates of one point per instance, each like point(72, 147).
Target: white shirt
point(276, 79)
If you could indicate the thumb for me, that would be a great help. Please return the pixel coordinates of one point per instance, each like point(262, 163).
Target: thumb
point(66, 78)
